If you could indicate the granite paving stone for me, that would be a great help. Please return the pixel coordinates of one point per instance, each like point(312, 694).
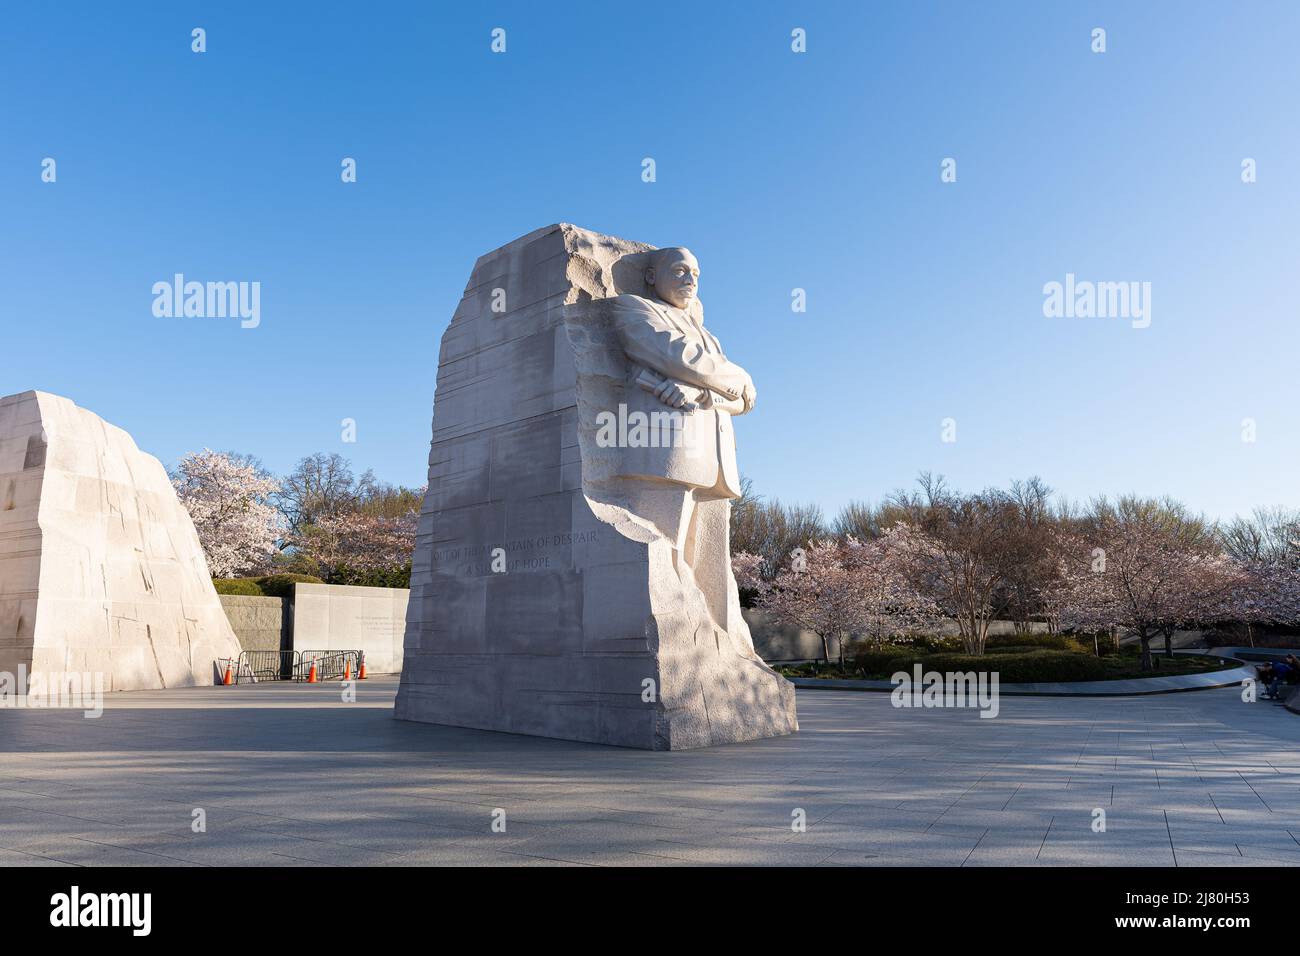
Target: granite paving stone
point(292, 775)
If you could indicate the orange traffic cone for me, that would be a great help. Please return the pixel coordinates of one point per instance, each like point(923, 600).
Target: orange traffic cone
point(361, 671)
point(228, 679)
point(347, 668)
point(311, 674)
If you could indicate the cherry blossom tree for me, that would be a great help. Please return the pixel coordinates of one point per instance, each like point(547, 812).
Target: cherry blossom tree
point(1033, 580)
point(1150, 554)
point(1207, 582)
point(748, 569)
point(355, 545)
point(229, 501)
point(890, 606)
point(1142, 566)
point(841, 588)
point(1259, 592)
point(1072, 597)
point(813, 591)
point(962, 551)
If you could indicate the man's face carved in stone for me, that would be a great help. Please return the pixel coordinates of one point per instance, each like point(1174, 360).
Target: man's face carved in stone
point(675, 276)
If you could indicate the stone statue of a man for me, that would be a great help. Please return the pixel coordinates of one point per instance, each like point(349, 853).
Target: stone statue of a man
point(684, 486)
point(616, 618)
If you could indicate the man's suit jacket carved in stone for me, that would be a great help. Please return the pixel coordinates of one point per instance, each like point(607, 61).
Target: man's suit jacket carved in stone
point(673, 344)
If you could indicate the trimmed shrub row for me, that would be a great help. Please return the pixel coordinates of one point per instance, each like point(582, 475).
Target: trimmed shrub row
point(1045, 642)
point(242, 586)
point(268, 585)
point(1012, 666)
point(372, 577)
point(875, 659)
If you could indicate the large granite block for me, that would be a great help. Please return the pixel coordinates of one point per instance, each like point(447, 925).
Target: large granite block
point(552, 593)
point(100, 566)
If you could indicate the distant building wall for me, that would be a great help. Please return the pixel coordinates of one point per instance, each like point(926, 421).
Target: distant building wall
point(260, 623)
point(334, 617)
point(323, 617)
point(779, 642)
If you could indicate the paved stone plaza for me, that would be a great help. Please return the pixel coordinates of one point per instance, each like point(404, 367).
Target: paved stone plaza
point(291, 775)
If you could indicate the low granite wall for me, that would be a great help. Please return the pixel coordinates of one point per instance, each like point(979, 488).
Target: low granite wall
point(260, 623)
point(779, 642)
point(334, 617)
point(324, 617)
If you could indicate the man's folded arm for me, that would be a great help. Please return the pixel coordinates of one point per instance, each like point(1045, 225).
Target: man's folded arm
point(652, 342)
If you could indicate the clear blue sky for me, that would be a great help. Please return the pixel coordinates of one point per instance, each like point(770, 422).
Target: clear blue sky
point(779, 170)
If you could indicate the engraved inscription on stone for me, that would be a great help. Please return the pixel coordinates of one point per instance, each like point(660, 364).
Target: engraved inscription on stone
point(521, 554)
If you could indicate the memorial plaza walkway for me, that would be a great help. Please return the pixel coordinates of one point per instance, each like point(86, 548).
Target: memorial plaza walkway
point(290, 774)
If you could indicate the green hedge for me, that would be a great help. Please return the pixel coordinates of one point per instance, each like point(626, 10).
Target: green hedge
point(245, 586)
point(281, 585)
point(391, 577)
point(1035, 641)
point(934, 644)
point(269, 585)
point(1013, 668)
point(1030, 648)
point(875, 658)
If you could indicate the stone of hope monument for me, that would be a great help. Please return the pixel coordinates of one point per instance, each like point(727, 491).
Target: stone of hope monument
point(101, 570)
point(572, 575)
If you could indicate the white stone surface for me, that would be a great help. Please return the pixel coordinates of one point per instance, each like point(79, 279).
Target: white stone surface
point(611, 614)
point(101, 570)
point(335, 617)
point(1186, 779)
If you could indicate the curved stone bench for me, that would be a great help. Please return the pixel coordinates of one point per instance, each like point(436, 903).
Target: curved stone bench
point(1252, 654)
point(1261, 654)
point(1130, 687)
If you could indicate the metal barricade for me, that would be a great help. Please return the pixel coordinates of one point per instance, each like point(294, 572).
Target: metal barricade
point(257, 666)
point(330, 665)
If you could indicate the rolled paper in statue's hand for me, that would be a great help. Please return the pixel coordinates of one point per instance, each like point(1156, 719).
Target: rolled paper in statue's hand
point(649, 380)
point(652, 382)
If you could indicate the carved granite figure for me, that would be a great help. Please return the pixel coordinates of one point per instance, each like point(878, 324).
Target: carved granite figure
point(572, 579)
point(684, 486)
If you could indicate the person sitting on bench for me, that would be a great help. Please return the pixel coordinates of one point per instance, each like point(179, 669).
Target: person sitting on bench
point(1282, 673)
point(1267, 677)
